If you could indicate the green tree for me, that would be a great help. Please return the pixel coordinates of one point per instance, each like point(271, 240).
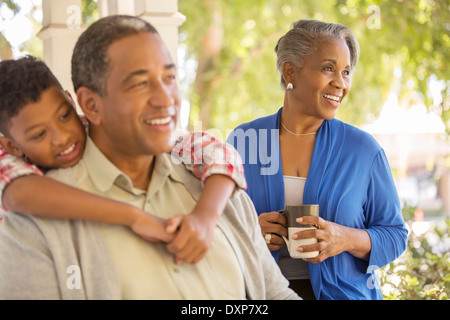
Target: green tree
point(233, 42)
point(422, 272)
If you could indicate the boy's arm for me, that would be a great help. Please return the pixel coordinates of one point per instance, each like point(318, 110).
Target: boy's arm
point(11, 168)
point(44, 197)
point(24, 189)
point(219, 166)
point(204, 156)
point(196, 230)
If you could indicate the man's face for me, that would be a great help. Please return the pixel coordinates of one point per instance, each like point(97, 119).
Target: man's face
point(142, 102)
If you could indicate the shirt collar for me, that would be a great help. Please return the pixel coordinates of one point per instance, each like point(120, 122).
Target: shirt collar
point(104, 174)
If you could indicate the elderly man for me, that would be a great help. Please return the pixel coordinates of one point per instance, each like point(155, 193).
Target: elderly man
point(126, 86)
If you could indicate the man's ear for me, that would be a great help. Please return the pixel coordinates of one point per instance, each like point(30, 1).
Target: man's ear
point(90, 103)
point(11, 147)
point(289, 70)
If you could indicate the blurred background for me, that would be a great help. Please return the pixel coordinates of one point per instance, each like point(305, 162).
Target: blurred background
point(400, 94)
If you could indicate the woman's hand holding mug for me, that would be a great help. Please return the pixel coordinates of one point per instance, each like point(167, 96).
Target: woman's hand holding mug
point(273, 227)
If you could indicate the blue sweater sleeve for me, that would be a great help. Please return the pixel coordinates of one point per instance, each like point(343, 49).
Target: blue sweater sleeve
point(384, 222)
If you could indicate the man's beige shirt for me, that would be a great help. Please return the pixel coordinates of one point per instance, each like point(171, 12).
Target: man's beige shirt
point(146, 270)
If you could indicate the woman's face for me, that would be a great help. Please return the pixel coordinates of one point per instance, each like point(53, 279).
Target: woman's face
point(323, 81)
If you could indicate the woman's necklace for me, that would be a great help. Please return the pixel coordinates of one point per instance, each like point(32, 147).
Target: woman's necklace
point(297, 134)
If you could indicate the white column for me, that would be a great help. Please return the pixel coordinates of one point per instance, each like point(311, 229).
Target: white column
point(111, 7)
point(164, 16)
point(61, 28)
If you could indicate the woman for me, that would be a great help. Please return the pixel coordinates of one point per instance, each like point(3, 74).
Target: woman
point(322, 161)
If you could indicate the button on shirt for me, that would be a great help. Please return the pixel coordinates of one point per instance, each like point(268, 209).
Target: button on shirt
point(147, 270)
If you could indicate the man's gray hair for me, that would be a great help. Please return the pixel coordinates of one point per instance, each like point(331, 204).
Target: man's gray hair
point(90, 63)
point(305, 36)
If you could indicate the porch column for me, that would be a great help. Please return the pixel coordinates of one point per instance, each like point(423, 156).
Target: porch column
point(162, 14)
point(112, 7)
point(61, 28)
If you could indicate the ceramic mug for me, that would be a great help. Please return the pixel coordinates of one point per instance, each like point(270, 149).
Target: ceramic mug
point(292, 213)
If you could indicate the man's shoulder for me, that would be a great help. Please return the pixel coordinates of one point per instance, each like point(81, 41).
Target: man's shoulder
point(240, 200)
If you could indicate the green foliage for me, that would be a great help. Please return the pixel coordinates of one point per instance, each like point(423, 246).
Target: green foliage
point(238, 82)
point(89, 11)
point(233, 42)
point(34, 45)
point(14, 7)
point(413, 36)
point(422, 272)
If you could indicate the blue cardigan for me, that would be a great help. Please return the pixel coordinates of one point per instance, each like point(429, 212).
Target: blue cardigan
point(350, 178)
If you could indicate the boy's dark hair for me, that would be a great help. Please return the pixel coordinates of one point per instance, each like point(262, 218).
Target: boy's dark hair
point(90, 65)
point(22, 81)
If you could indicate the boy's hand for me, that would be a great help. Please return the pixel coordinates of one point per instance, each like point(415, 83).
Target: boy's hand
point(151, 228)
point(194, 236)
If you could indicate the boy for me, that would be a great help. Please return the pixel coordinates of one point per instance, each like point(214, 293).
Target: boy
point(40, 125)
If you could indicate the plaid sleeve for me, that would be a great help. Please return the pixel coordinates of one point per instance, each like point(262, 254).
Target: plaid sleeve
point(11, 168)
point(205, 155)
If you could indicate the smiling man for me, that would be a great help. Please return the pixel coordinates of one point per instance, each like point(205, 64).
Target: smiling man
point(126, 85)
point(140, 100)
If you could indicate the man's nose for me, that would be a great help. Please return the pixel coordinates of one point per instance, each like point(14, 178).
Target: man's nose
point(162, 96)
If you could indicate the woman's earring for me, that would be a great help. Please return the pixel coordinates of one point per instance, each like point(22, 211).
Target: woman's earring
point(290, 86)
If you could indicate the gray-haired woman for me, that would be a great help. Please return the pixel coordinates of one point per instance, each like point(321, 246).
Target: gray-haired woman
point(326, 162)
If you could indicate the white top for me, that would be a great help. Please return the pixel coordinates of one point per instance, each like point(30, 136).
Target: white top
point(293, 268)
point(293, 190)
